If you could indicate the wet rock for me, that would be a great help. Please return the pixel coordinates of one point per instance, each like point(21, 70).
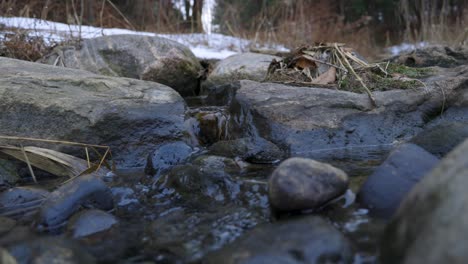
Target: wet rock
point(47, 250)
point(388, 185)
point(189, 234)
point(16, 235)
point(8, 172)
point(305, 240)
point(323, 123)
point(124, 196)
point(209, 178)
point(255, 150)
point(83, 191)
point(442, 138)
point(301, 184)
point(21, 202)
point(118, 112)
point(6, 224)
point(428, 227)
point(244, 66)
point(89, 222)
point(167, 156)
point(140, 57)
point(434, 56)
point(222, 95)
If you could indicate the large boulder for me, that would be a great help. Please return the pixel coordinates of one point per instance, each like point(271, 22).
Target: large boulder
point(302, 184)
point(130, 116)
point(140, 57)
point(429, 226)
point(244, 66)
point(384, 190)
point(318, 122)
point(305, 240)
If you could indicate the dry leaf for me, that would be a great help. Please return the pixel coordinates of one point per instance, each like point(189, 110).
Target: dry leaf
point(327, 77)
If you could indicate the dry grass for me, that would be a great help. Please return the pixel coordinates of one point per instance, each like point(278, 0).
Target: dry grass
point(19, 45)
point(435, 21)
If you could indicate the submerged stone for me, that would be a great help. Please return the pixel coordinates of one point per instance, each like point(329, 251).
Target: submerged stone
point(47, 250)
point(89, 222)
point(305, 240)
point(255, 150)
point(167, 156)
point(83, 191)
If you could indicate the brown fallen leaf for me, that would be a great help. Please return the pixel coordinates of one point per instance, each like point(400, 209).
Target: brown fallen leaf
point(327, 77)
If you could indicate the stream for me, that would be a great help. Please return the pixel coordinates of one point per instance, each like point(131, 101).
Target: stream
point(186, 218)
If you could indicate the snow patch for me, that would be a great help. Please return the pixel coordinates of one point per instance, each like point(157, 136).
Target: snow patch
point(206, 46)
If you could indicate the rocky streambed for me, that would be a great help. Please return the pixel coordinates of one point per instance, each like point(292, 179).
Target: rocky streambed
point(232, 169)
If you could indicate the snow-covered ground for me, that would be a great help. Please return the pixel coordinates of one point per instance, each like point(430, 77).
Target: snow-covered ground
point(208, 46)
point(404, 47)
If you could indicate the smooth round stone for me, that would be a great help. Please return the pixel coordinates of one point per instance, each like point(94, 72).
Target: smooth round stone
point(301, 184)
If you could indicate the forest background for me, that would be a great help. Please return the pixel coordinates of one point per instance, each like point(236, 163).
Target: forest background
point(366, 25)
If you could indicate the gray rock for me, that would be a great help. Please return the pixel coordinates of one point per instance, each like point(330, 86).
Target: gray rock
point(429, 226)
point(89, 222)
point(167, 156)
point(42, 101)
point(442, 138)
point(388, 185)
point(140, 57)
point(255, 150)
point(16, 235)
point(434, 56)
point(301, 184)
point(305, 240)
point(83, 191)
point(6, 224)
point(8, 172)
point(209, 178)
point(189, 234)
point(46, 250)
point(324, 123)
point(19, 202)
point(244, 66)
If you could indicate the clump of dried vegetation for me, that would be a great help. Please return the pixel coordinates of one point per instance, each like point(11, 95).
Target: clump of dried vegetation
point(19, 44)
point(333, 65)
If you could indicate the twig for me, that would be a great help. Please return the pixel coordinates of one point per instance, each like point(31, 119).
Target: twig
point(369, 93)
point(87, 157)
point(28, 163)
point(121, 14)
point(101, 14)
point(53, 141)
point(324, 62)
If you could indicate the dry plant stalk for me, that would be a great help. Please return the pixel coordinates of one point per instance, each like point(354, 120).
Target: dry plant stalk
point(91, 167)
